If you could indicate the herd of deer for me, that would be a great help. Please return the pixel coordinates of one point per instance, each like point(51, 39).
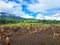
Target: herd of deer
point(6, 32)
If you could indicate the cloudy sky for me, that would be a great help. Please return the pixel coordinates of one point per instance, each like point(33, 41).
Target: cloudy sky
point(39, 9)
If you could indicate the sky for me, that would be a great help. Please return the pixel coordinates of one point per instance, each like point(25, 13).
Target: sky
point(38, 9)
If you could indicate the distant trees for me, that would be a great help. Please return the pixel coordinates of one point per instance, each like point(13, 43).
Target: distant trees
point(6, 21)
point(9, 20)
point(50, 21)
point(43, 21)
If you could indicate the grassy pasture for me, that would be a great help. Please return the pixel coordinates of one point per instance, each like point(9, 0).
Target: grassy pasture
point(19, 24)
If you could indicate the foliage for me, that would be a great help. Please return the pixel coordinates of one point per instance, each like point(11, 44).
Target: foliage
point(42, 21)
point(7, 21)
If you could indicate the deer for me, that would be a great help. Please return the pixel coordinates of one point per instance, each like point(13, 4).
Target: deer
point(0, 38)
point(2, 30)
point(7, 36)
point(7, 40)
point(56, 32)
point(1, 33)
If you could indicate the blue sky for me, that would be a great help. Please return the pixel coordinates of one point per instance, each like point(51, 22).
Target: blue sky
point(38, 9)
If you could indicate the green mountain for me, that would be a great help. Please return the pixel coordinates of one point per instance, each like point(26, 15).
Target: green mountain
point(9, 16)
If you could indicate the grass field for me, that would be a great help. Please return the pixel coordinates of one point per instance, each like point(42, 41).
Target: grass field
point(19, 24)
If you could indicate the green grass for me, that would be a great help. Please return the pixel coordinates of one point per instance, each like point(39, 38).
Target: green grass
point(19, 24)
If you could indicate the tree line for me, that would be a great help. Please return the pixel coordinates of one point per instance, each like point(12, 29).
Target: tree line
point(43, 21)
point(8, 20)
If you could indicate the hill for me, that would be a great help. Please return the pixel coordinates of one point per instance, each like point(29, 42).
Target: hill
point(9, 16)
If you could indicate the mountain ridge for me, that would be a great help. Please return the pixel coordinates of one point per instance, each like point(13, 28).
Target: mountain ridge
point(12, 16)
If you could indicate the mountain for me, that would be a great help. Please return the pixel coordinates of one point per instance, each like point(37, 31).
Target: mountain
point(10, 16)
point(7, 16)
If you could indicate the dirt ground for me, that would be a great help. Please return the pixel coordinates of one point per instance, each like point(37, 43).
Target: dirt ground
point(40, 38)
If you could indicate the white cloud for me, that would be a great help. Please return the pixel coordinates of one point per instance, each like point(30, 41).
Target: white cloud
point(58, 18)
point(8, 7)
point(49, 17)
point(43, 5)
point(18, 12)
point(28, 16)
point(53, 17)
point(0, 10)
point(39, 16)
point(56, 15)
point(36, 7)
point(49, 3)
point(5, 5)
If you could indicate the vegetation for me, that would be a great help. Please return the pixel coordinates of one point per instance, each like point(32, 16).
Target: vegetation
point(43, 21)
point(9, 20)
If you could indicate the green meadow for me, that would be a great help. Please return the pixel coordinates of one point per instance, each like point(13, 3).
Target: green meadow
point(19, 24)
